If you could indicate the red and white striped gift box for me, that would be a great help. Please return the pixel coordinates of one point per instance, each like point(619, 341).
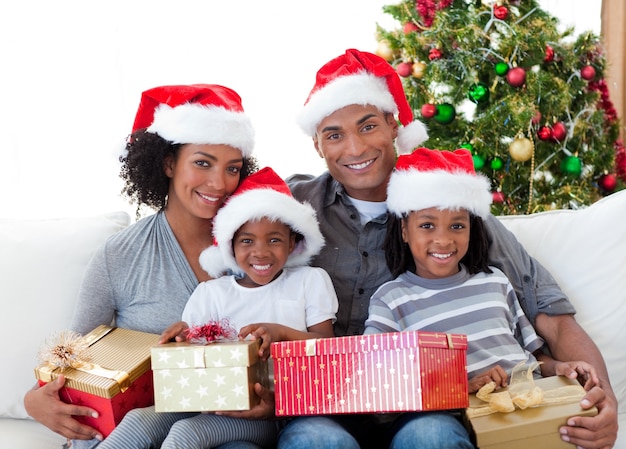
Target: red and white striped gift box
point(378, 373)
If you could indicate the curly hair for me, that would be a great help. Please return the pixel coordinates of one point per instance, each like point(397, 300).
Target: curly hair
point(399, 258)
point(143, 173)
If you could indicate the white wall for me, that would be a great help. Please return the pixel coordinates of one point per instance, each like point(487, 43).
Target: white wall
point(71, 74)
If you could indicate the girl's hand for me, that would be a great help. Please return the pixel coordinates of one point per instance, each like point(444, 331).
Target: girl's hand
point(495, 374)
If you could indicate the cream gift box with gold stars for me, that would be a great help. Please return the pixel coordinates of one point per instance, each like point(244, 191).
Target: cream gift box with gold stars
point(218, 376)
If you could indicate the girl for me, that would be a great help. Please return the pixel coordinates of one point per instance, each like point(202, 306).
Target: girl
point(436, 248)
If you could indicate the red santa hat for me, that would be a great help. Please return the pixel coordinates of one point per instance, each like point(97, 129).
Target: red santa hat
point(196, 113)
point(261, 195)
point(433, 178)
point(361, 78)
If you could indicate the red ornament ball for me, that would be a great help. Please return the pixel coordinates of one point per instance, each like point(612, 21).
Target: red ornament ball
point(500, 12)
point(608, 183)
point(498, 197)
point(409, 27)
point(516, 77)
point(537, 117)
point(544, 133)
point(549, 56)
point(429, 110)
point(588, 73)
point(434, 54)
point(404, 69)
point(559, 131)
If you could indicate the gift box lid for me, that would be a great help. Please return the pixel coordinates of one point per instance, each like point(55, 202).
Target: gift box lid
point(118, 357)
point(504, 429)
point(368, 343)
point(182, 355)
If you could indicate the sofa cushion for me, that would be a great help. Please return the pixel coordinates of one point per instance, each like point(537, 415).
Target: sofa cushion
point(41, 267)
point(585, 250)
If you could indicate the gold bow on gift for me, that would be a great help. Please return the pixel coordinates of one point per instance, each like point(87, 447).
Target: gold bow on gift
point(68, 349)
point(522, 393)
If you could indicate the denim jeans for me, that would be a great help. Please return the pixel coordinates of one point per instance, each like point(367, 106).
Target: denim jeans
point(427, 430)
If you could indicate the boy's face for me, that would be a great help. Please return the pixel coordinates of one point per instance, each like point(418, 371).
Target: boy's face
point(357, 143)
point(261, 249)
point(438, 240)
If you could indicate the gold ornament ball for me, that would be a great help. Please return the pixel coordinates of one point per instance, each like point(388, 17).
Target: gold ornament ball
point(521, 149)
point(418, 69)
point(384, 50)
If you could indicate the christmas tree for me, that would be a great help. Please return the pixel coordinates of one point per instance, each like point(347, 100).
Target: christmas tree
point(529, 100)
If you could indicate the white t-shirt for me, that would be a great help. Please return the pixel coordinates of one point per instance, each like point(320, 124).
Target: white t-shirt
point(368, 210)
point(299, 298)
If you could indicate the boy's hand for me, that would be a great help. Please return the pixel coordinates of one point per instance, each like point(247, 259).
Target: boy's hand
point(266, 332)
point(176, 332)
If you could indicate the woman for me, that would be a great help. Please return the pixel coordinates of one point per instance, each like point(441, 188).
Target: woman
point(190, 147)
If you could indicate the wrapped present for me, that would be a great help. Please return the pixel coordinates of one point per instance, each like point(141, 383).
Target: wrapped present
point(108, 370)
point(218, 376)
point(538, 425)
point(392, 372)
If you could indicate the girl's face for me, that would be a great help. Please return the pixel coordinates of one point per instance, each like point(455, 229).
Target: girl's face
point(261, 249)
point(438, 240)
point(202, 177)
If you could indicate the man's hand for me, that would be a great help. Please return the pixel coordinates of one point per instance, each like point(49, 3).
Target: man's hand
point(581, 371)
point(597, 432)
point(44, 405)
point(568, 341)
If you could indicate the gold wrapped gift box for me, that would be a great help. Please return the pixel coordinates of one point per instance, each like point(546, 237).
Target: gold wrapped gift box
point(219, 376)
point(533, 427)
point(114, 380)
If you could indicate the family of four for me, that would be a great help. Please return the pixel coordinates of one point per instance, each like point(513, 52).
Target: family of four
point(380, 242)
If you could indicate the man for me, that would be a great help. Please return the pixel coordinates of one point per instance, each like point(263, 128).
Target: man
point(350, 115)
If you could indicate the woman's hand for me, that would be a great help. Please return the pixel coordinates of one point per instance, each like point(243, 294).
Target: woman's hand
point(44, 405)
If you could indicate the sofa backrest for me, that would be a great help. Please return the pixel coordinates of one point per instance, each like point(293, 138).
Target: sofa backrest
point(41, 268)
point(585, 250)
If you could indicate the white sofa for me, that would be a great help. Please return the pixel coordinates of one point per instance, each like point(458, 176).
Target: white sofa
point(41, 264)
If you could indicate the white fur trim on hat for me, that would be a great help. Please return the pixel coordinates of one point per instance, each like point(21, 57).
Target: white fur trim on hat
point(257, 204)
point(411, 190)
point(361, 89)
point(198, 124)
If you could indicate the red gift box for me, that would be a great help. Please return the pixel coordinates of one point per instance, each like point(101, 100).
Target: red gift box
point(114, 349)
point(377, 373)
